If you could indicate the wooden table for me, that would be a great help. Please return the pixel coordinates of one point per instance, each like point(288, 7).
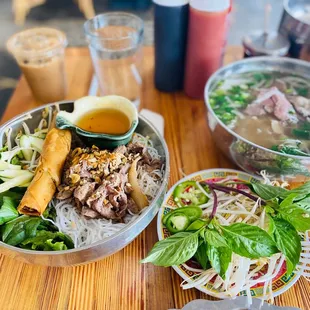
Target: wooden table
point(120, 281)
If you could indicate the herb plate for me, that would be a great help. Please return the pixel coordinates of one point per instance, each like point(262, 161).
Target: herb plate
point(281, 283)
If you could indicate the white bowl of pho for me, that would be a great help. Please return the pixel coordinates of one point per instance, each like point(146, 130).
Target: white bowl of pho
point(259, 115)
point(64, 202)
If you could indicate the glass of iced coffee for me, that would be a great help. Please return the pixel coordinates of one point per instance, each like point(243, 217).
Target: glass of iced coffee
point(39, 53)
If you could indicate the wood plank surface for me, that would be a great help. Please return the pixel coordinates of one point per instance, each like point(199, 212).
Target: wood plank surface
point(120, 282)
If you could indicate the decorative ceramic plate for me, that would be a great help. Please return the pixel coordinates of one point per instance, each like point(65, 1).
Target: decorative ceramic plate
point(281, 283)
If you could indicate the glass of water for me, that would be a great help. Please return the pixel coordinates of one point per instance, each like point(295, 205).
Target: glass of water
point(115, 43)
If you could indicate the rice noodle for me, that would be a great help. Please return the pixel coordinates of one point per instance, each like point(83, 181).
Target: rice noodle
point(85, 231)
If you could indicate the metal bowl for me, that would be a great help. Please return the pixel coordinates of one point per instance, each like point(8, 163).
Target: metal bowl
point(249, 156)
point(295, 25)
point(111, 244)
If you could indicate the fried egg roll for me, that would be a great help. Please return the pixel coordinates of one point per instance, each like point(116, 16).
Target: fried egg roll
point(47, 176)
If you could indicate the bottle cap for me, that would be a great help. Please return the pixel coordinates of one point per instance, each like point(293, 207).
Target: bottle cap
point(260, 43)
point(171, 2)
point(210, 5)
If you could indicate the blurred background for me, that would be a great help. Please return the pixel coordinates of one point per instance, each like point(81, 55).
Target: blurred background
point(69, 16)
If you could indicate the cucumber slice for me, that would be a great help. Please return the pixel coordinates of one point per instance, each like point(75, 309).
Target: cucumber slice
point(5, 165)
point(26, 143)
point(5, 155)
point(19, 180)
point(12, 173)
point(36, 142)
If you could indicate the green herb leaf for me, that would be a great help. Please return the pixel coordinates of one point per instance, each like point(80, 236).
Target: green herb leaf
point(288, 241)
point(17, 235)
point(31, 226)
point(201, 256)
point(214, 238)
point(10, 226)
point(304, 203)
point(50, 213)
point(14, 195)
point(301, 191)
point(196, 225)
point(303, 132)
point(271, 207)
point(289, 200)
point(249, 241)
point(269, 225)
point(297, 216)
point(219, 257)
point(48, 241)
point(174, 250)
point(289, 150)
point(8, 210)
point(268, 192)
point(19, 229)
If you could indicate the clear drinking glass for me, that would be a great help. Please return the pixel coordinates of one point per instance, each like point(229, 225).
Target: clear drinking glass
point(115, 43)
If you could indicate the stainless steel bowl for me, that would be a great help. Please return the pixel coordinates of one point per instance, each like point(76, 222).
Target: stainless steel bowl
point(109, 245)
point(249, 156)
point(295, 25)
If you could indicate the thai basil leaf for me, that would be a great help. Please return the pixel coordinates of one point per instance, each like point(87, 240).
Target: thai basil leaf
point(174, 250)
point(302, 191)
point(297, 216)
point(196, 225)
point(214, 238)
point(289, 200)
point(201, 256)
point(219, 257)
point(269, 226)
point(8, 210)
point(271, 207)
point(249, 241)
point(288, 241)
point(268, 192)
point(304, 203)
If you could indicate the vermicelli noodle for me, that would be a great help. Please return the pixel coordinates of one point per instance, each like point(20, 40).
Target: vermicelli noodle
point(85, 231)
